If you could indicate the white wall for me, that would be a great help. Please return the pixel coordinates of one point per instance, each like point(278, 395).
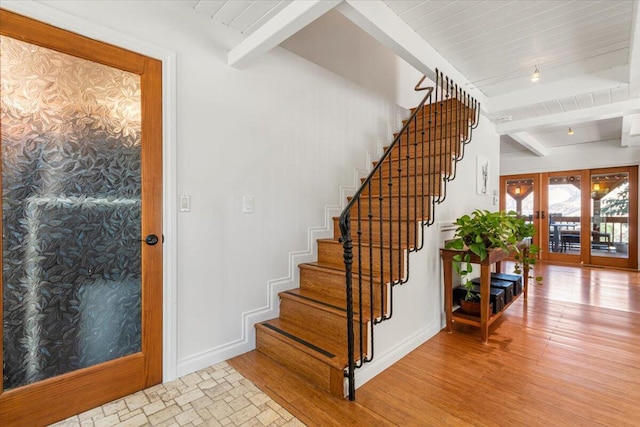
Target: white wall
point(288, 133)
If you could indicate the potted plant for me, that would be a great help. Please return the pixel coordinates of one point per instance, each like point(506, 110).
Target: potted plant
point(482, 231)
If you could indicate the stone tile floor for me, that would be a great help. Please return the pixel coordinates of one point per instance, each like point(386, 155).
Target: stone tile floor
point(215, 396)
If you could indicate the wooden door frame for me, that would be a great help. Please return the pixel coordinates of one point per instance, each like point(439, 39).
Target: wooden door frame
point(536, 201)
point(632, 260)
point(118, 373)
point(584, 216)
point(585, 257)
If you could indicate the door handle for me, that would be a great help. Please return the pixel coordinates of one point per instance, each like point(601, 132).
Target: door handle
point(151, 239)
point(537, 214)
point(543, 215)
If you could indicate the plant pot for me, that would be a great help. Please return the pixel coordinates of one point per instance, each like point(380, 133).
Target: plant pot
point(473, 307)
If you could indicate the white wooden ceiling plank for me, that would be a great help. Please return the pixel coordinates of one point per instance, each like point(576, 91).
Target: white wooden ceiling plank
point(619, 94)
point(568, 104)
point(602, 97)
point(584, 100)
point(554, 107)
point(400, 6)
point(518, 67)
point(479, 28)
point(556, 35)
point(517, 14)
point(209, 8)
point(455, 13)
point(190, 3)
point(521, 28)
point(267, 16)
point(540, 109)
point(424, 9)
point(230, 10)
point(514, 62)
point(253, 13)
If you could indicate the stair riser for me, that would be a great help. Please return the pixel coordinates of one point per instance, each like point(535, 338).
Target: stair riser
point(418, 208)
point(446, 148)
point(417, 165)
point(392, 233)
point(443, 118)
point(324, 322)
point(333, 254)
point(304, 365)
point(436, 133)
point(428, 186)
point(334, 285)
point(446, 105)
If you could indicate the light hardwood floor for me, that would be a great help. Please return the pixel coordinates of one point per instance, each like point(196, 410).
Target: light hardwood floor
point(569, 356)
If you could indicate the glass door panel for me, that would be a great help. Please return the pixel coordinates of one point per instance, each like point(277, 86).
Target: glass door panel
point(71, 212)
point(563, 208)
point(610, 214)
point(520, 195)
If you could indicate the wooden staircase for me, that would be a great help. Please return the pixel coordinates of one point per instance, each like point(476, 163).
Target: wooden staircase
point(310, 337)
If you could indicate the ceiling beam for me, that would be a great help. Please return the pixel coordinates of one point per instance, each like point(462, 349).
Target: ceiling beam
point(530, 143)
point(568, 118)
point(630, 130)
point(290, 20)
point(382, 23)
point(611, 78)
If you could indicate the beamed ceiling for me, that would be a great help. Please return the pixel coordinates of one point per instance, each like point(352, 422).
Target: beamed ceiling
point(587, 52)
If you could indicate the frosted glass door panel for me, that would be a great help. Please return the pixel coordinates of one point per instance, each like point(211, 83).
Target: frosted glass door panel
point(71, 213)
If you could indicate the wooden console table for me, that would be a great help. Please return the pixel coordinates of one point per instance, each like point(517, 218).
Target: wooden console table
point(486, 318)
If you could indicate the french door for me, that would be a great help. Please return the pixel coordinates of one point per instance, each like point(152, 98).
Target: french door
point(582, 216)
point(82, 222)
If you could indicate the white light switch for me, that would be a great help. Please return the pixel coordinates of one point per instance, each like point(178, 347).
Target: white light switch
point(247, 204)
point(185, 203)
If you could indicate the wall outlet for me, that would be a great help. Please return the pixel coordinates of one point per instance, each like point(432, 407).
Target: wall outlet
point(247, 204)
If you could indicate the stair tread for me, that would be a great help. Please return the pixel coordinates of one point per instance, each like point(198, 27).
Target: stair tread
point(368, 244)
point(316, 345)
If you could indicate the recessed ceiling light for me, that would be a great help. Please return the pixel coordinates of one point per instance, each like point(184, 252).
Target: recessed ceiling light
point(536, 75)
point(570, 132)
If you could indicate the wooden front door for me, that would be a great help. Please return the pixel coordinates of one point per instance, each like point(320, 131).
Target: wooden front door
point(82, 222)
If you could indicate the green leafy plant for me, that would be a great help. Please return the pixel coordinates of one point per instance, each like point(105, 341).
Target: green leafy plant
point(484, 230)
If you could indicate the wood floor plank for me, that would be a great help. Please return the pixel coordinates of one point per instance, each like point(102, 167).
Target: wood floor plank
point(569, 356)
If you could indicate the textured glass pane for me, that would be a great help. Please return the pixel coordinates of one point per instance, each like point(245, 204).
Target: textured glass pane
point(70, 211)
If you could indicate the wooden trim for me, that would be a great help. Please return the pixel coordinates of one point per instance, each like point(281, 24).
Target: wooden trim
point(84, 388)
point(28, 30)
point(151, 167)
